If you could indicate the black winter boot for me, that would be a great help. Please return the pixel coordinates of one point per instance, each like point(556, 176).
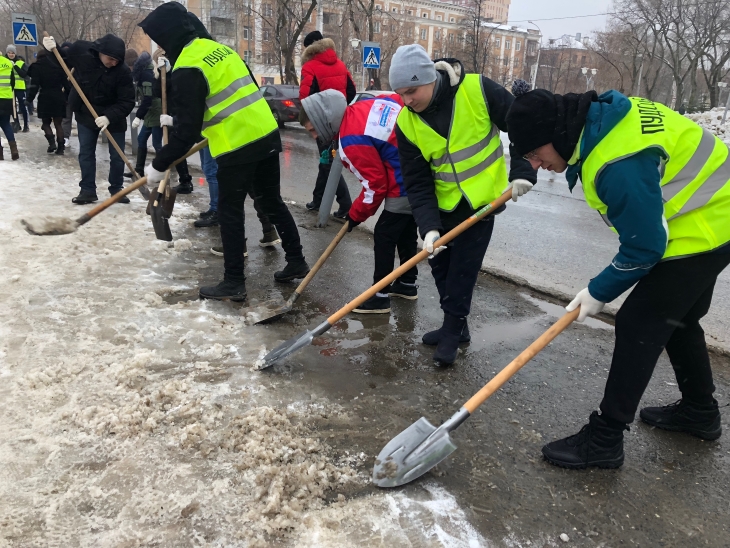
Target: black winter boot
point(209, 220)
point(14, 155)
point(432, 338)
point(61, 147)
point(296, 268)
point(684, 415)
point(599, 443)
point(184, 186)
point(51, 143)
point(451, 334)
point(233, 289)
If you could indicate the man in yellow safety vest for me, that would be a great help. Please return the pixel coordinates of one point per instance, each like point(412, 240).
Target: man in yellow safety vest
point(661, 182)
point(452, 163)
point(214, 93)
point(21, 72)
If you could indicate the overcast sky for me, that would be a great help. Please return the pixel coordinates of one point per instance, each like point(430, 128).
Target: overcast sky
point(522, 10)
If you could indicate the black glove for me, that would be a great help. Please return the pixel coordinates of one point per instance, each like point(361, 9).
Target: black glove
point(351, 224)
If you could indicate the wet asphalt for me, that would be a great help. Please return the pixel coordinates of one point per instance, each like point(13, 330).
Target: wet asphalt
point(671, 491)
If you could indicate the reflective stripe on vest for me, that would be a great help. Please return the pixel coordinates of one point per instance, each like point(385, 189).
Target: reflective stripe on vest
point(695, 176)
point(19, 82)
point(236, 113)
point(469, 163)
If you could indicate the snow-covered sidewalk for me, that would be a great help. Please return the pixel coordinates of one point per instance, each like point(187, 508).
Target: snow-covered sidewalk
point(126, 420)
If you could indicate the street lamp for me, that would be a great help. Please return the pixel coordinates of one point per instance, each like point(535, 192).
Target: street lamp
point(589, 79)
point(723, 85)
point(539, 49)
point(355, 43)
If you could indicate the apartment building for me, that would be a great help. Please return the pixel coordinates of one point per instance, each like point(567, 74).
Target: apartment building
point(443, 28)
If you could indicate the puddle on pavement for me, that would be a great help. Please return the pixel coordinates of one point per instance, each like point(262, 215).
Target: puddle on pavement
point(558, 311)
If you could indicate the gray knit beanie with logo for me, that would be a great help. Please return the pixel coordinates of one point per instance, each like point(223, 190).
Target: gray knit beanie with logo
point(411, 66)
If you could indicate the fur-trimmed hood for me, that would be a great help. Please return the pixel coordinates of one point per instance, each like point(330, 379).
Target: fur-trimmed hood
point(453, 68)
point(323, 49)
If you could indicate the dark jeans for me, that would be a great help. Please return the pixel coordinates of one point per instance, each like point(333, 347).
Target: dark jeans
point(7, 127)
point(58, 123)
point(20, 96)
point(234, 184)
point(663, 312)
point(456, 268)
point(87, 160)
point(67, 121)
point(142, 138)
point(395, 231)
point(342, 194)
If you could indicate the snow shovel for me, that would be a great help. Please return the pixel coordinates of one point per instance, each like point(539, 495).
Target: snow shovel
point(300, 341)
point(54, 226)
point(142, 189)
point(162, 200)
point(421, 446)
point(274, 309)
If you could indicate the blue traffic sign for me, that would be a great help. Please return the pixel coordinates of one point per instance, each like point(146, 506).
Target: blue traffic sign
point(371, 55)
point(25, 31)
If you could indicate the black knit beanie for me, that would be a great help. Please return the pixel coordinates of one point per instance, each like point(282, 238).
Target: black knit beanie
point(531, 118)
point(539, 117)
point(312, 37)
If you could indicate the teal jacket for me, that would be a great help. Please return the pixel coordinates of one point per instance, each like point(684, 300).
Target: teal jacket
point(631, 188)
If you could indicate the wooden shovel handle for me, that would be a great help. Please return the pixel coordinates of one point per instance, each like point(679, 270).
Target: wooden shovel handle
point(323, 258)
point(165, 135)
point(135, 185)
point(420, 256)
point(92, 111)
point(515, 365)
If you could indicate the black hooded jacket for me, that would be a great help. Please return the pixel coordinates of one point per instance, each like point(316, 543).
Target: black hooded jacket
point(109, 90)
point(416, 170)
point(170, 26)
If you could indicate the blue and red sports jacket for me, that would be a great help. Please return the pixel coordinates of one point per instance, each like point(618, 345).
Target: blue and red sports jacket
point(368, 148)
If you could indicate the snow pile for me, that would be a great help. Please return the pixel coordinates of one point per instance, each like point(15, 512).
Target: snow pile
point(127, 420)
point(712, 120)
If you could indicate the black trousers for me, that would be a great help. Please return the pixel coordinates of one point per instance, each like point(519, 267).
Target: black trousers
point(342, 194)
point(234, 184)
point(58, 124)
point(663, 312)
point(456, 268)
point(395, 231)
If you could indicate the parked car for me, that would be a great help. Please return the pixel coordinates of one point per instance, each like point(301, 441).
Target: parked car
point(370, 94)
point(283, 102)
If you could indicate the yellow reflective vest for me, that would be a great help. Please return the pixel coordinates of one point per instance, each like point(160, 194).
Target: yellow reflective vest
point(694, 174)
point(19, 82)
point(469, 163)
point(236, 113)
point(6, 71)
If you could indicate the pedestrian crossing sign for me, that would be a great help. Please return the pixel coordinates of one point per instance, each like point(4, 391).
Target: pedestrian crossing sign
point(371, 56)
point(25, 31)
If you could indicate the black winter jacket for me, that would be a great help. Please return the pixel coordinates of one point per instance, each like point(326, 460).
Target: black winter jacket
point(109, 90)
point(416, 170)
point(48, 81)
point(170, 26)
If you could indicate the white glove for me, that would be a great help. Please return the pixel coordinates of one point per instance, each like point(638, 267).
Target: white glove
point(429, 240)
point(102, 122)
point(163, 62)
point(136, 123)
point(165, 120)
point(153, 176)
point(49, 43)
point(520, 187)
point(588, 305)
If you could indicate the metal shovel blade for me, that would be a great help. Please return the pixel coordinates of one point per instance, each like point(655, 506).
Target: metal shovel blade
point(159, 222)
point(266, 312)
point(286, 348)
point(293, 344)
point(411, 454)
point(168, 201)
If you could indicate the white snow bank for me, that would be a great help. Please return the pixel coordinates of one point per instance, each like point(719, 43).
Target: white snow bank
point(712, 120)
